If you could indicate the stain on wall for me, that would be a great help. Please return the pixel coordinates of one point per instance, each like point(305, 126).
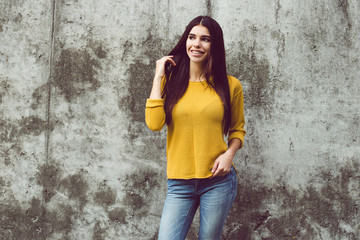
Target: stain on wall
point(11, 134)
point(208, 7)
point(40, 96)
point(139, 190)
point(328, 203)
point(75, 187)
point(39, 221)
point(118, 215)
point(4, 86)
point(27, 224)
point(140, 78)
point(280, 48)
point(34, 125)
point(255, 73)
point(277, 9)
point(35, 222)
point(48, 177)
point(98, 49)
point(98, 232)
point(75, 72)
point(344, 6)
point(141, 74)
point(105, 196)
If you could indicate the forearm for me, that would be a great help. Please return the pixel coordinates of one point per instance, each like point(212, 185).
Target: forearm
point(234, 146)
point(156, 88)
point(159, 74)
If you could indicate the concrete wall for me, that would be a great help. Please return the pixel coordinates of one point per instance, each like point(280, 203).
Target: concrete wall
point(77, 161)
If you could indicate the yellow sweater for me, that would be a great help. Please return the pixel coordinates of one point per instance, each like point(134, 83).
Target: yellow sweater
point(195, 137)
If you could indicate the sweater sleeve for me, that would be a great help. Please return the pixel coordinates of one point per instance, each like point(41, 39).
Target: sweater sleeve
point(237, 113)
point(155, 114)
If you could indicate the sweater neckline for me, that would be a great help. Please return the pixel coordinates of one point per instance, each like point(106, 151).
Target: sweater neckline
point(197, 81)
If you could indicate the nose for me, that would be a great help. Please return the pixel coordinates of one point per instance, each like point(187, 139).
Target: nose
point(197, 44)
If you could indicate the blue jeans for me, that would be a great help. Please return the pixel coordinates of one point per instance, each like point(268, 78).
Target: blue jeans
point(214, 196)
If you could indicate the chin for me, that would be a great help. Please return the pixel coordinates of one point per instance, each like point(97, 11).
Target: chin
point(197, 60)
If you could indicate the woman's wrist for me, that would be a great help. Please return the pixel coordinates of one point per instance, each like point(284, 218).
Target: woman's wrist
point(156, 88)
point(234, 146)
point(231, 152)
point(157, 78)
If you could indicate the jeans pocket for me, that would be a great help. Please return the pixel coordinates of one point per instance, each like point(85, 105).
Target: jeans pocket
point(171, 185)
point(233, 171)
point(179, 186)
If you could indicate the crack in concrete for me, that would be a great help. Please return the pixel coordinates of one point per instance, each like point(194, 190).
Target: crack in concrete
point(47, 132)
point(51, 75)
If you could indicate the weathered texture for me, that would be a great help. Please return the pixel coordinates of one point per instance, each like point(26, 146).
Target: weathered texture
point(78, 162)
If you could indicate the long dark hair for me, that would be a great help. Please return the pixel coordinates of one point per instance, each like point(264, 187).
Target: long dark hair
point(177, 77)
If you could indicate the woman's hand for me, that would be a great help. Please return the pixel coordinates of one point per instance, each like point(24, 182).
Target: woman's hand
point(160, 66)
point(159, 74)
point(223, 163)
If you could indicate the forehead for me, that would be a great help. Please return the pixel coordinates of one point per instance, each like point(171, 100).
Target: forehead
point(200, 30)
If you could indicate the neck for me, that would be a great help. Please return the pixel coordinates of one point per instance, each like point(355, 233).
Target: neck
point(196, 72)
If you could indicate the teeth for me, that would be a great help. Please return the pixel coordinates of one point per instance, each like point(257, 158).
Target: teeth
point(196, 52)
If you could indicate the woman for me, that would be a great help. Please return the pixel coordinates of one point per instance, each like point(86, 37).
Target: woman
point(200, 104)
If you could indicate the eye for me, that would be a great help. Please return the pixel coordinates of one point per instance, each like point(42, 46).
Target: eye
point(206, 39)
point(191, 37)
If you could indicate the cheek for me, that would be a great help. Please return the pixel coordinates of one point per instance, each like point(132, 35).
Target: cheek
point(187, 44)
point(208, 47)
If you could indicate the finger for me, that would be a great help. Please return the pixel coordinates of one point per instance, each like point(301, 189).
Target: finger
point(172, 62)
point(169, 59)
point(223, 173)
point(214, 168)
point(217, 173)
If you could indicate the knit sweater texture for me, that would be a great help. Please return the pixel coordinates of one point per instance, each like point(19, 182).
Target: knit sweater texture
point(195, 135)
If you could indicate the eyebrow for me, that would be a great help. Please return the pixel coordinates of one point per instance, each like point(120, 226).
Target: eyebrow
point(192, 34)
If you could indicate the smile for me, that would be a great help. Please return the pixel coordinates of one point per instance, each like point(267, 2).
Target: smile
point(196, 52)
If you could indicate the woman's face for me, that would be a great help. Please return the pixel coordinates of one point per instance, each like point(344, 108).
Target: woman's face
point(198, 44)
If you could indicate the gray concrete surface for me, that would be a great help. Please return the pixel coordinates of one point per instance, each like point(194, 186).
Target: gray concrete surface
point(77, 161)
